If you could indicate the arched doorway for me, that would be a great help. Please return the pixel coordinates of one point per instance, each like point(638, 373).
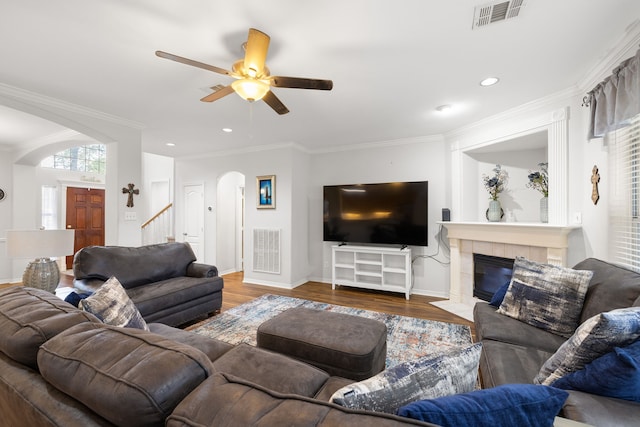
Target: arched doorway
point(230, 222)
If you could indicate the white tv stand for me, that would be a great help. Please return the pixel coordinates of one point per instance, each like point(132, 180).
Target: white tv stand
point(372, 267)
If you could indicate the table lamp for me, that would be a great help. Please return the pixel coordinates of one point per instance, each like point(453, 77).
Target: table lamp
point(43, 272)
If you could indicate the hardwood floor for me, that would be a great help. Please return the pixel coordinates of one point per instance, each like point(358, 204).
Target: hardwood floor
point(236, 293)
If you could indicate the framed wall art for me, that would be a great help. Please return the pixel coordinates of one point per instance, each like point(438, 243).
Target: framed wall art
point(266, 191)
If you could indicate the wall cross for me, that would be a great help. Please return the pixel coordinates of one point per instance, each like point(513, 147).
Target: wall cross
point(130, 191)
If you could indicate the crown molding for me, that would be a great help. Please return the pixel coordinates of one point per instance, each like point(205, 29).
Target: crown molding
point(618, 53)
point(37, 99)
point(545, 103)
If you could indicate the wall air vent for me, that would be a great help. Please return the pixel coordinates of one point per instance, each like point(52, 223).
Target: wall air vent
point(497, 11)
point(266, 250)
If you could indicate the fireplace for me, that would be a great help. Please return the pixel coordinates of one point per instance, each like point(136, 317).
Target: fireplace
point(489, 274)
point(535, 241)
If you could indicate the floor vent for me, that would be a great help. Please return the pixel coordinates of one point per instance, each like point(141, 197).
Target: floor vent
point(266, 250)
point(497, 11)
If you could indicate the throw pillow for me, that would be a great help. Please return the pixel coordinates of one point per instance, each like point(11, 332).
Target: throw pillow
point(546, 296)
point(428, 377)
point(111, 304)
point(595, 337)
point(616, 374)
point(508, 405)
point(498, 296)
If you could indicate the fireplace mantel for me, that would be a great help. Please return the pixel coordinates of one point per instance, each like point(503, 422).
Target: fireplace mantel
point(518, 233)
point(536, 241)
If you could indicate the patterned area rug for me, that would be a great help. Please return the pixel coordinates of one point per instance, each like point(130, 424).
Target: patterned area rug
point(408, 338)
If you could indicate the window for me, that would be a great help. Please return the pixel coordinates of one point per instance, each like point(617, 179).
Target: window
point(49, 207)
point(624, 207)
point(85, 158)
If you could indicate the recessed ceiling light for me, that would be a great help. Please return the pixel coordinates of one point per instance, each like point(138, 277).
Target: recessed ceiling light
point(170, 144)
point(227, 130)
point(489, 81)
point(444, 108)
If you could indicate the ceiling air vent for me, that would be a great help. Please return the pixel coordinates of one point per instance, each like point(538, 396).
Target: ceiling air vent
point(496, 12)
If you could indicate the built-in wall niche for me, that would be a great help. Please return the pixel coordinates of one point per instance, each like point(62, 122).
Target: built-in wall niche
point(519, 147)
point(517, 156)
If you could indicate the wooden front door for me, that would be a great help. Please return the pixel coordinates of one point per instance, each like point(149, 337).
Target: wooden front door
point(85, 214)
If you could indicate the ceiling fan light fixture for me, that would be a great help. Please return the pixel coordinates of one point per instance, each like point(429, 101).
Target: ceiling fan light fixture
point(250, 89)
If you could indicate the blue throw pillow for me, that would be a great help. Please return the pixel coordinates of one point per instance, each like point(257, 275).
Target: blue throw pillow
point(522, 405)
point(616, 374)
point(497, 297)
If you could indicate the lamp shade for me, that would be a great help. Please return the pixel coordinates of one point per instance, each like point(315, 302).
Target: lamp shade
point(39, 243)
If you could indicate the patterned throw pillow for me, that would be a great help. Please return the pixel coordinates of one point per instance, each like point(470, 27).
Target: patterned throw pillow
point(546, 296)
point(426, 378)
point(595, 337)
point(111, 304)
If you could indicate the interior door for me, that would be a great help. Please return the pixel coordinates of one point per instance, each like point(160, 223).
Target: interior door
point(85, 214)
point(193, 227)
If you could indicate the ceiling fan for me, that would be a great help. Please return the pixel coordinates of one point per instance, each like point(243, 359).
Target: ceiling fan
point(253, 80)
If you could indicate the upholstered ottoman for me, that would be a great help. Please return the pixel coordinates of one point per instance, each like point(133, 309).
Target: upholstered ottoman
point(341, 344)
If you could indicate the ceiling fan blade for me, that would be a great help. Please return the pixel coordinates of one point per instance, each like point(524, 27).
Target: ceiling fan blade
point(193, 63)
point(256, 52)
point(301, 83)
point(218, 93)
point(272, 101)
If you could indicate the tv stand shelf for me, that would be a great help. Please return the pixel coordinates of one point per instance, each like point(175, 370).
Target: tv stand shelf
point(372, 267)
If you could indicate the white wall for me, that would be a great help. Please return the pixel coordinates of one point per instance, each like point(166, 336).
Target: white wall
point(277, 161)
point(6, 213)
point(418, 159)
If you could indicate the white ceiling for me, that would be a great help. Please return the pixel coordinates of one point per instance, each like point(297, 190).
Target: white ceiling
point(392, 63)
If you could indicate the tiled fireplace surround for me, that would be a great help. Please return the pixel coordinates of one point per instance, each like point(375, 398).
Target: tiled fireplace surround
point(538, 242)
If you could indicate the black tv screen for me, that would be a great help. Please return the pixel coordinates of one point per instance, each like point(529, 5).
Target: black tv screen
point(392, 213)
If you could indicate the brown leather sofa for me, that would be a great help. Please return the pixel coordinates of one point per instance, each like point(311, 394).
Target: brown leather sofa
point(164, 281)
point(514, 352)
point(60, 366)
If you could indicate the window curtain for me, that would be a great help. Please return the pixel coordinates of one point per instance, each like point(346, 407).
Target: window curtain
point(615, 100)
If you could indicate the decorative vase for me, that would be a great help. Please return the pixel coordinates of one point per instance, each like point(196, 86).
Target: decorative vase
point(495, 212)
point(544, 209)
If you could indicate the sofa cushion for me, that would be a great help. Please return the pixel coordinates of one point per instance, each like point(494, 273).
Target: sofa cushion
point(272, 370)
point(212, 347)
point(491, 325)
point(611, 287)
point(431, 376)
point(546, 296)
point(504, 363)
point(225, 400)
point(173, 292)
point(133, 266)
point(508, 405)
point(595, 337)
point(615, 374)
point(29, 317)
point(111, 304)
point(129, 376)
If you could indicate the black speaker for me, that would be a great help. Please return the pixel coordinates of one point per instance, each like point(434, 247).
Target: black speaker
point(446, 214)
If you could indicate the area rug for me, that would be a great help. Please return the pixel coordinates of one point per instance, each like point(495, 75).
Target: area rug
point(408, 337)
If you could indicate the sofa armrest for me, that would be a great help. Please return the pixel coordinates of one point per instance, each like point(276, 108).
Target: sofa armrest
point(196, 269)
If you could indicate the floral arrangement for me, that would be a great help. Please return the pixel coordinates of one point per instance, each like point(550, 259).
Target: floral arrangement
point(496, 184)
point(539, 180)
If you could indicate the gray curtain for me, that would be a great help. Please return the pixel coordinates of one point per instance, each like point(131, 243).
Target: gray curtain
point(615, 100)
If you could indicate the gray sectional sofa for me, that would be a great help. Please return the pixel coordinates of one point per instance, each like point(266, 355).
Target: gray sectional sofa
point(163, 280)
point(514, 352)
point(60, 366)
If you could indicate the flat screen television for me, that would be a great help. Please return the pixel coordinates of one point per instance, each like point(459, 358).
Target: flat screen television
point(393, 213)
